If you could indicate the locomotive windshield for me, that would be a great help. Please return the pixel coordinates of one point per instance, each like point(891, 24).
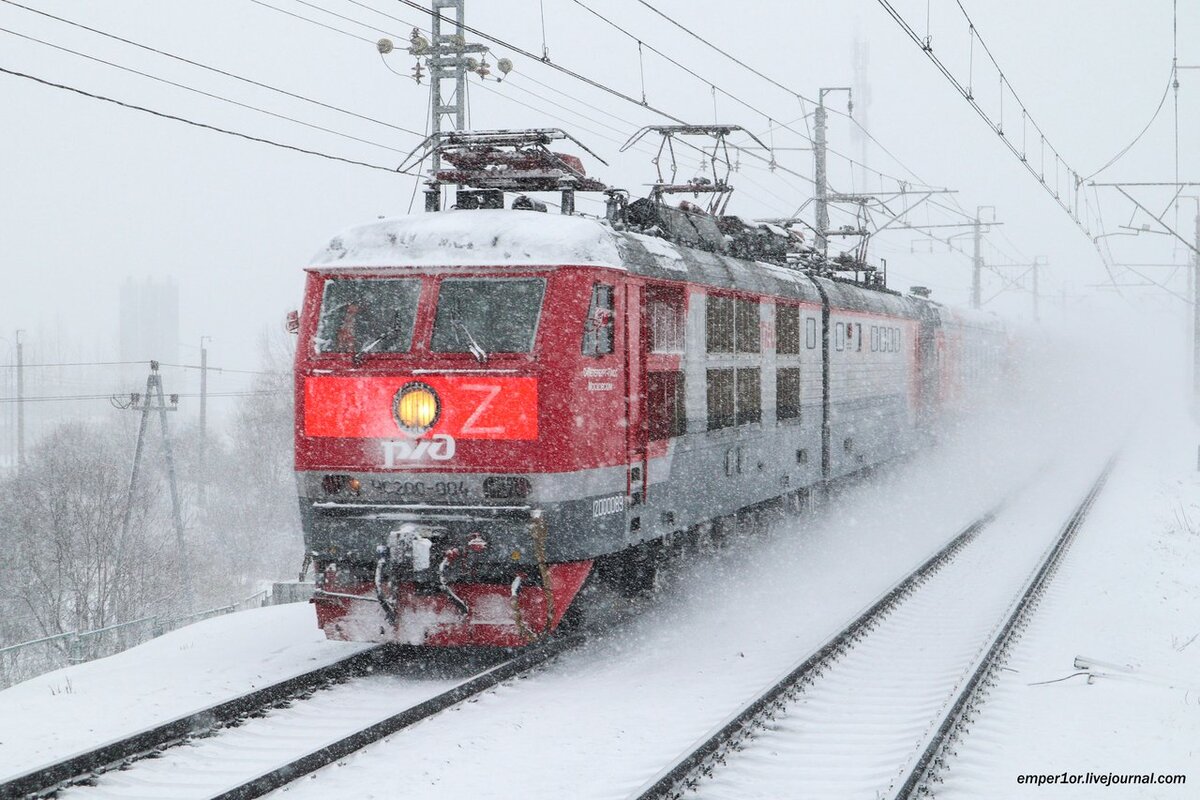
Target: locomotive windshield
point(487, 315)
point(367, 315)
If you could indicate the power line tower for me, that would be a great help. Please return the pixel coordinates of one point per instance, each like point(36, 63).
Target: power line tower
point(154, 400)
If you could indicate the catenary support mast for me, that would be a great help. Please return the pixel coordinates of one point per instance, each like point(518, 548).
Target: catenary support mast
point(448, 66)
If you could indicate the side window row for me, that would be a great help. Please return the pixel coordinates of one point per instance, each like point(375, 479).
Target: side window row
point(849, 336)
point(731, 326)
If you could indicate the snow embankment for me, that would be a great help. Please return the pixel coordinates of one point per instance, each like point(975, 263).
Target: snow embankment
point(79, 708)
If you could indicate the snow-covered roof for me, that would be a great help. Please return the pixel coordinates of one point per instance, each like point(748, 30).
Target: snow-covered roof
point(497, 238)
point(476, 237)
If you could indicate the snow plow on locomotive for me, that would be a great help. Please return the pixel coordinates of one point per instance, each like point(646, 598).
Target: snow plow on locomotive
point(491, 402)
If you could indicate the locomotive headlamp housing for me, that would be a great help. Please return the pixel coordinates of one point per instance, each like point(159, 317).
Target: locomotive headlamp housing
point(416, 408)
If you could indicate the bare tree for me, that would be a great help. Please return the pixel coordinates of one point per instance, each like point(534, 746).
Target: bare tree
point(73, 566)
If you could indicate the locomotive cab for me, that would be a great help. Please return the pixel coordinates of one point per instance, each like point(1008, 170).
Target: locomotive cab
point(448, 417)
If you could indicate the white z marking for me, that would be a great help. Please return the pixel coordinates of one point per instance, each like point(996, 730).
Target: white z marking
point(469, 425)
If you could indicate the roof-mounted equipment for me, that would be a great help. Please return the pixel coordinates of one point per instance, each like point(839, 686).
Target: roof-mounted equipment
point(494, 162)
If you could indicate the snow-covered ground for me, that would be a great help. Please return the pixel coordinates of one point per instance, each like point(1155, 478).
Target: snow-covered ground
point(1128, 595)
point(79, 708)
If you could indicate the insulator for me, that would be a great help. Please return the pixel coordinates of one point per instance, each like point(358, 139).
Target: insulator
point(418, 44)
point(384, 46)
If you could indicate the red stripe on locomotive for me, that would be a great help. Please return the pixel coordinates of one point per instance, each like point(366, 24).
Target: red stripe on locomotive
point(471, 407)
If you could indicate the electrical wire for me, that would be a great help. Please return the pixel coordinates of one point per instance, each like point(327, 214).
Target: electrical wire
point(143, 362)
point(110, 395)
point(204, 125)
point(216, 70)
point(798, 95)
point(315, 22)
point(996, 128)
point(1162, 101)
point(203, 93)
point(76, 364)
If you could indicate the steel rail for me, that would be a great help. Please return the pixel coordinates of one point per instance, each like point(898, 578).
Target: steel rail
point(930, 762)
point(673, 781)
point(524, 661)
point(85, 766)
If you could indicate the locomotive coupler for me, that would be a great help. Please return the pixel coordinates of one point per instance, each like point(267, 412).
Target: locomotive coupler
point(410, 539)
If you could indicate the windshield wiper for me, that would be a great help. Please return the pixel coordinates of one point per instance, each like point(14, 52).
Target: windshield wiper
point(472, 345)
point(396, 327)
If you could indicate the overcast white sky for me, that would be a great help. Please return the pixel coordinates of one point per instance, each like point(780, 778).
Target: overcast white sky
point(94, 193)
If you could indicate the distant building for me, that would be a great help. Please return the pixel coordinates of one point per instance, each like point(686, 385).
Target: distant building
point(149, 320)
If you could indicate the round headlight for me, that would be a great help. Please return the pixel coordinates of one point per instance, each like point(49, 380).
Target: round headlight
point(416, 408)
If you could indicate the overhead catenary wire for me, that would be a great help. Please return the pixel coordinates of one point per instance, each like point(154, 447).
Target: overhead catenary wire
point(317, 22)
point(203, 93)
point(197, 124)
point(798, 95)
point(212, 69)
point(110, 395)
point(997, 128)
point(1162, 101)
point(142, 362)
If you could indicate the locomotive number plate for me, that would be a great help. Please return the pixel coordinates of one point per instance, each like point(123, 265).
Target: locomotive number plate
point(421, 490)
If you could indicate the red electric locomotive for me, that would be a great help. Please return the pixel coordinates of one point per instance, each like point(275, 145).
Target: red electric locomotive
point(490, 402)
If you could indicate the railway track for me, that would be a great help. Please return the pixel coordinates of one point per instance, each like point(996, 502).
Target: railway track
point(248, 746)
point(87, 766)
point(871, 713)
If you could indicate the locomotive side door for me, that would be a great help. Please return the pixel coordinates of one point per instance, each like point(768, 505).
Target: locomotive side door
point(636, 431)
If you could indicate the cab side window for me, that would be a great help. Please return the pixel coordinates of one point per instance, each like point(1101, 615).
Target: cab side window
point(598, 327)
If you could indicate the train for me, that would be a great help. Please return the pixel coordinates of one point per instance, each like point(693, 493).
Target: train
point(496, 405)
